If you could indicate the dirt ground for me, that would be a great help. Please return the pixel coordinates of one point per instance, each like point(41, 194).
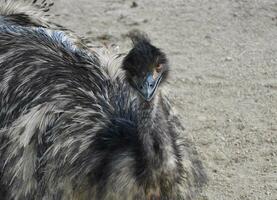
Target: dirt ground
point(223, 82)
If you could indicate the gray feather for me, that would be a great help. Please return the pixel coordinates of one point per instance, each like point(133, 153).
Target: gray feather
point(72, 128)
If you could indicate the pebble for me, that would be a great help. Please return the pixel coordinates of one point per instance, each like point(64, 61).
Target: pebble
point(228, 59)
point(134, 4)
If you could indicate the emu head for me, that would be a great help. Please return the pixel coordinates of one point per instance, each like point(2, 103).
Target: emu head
point(146, 66)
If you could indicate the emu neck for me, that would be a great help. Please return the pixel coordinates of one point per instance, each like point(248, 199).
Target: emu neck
point(157, 142)
point(149, 112)
point(152, 128)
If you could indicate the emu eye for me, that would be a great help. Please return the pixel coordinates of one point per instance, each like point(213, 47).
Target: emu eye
point(159, 68)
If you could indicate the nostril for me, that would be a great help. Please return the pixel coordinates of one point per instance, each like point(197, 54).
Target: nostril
point(151, 85)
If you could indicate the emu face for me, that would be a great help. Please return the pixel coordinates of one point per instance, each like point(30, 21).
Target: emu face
point(146, 66)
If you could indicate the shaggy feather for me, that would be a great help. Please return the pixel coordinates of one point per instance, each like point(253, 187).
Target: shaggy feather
point(24, 12)
point(71, 127)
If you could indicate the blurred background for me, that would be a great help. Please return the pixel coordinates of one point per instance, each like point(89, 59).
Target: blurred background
point(223, 83)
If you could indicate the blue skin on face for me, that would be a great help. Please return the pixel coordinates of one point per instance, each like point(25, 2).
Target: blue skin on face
point(149, 86)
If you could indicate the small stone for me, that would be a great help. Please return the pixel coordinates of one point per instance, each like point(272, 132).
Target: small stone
point(228, 58)
point(145, 21)
point(134, 4)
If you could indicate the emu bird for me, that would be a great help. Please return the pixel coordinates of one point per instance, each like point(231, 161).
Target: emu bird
point(75, 127)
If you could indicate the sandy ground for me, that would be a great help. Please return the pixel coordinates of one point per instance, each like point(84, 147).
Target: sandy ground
point(223, 82)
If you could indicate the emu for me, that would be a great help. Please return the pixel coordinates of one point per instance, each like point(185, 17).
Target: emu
point(78, 124)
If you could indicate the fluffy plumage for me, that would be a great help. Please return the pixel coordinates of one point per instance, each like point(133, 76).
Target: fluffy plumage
point(71, 127)
point(25, 12)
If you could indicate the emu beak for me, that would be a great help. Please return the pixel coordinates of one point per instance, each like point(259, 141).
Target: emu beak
point(149, 86)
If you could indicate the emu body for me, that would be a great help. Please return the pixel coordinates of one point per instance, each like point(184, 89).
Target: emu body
point(65, 122)
point(72, 127)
